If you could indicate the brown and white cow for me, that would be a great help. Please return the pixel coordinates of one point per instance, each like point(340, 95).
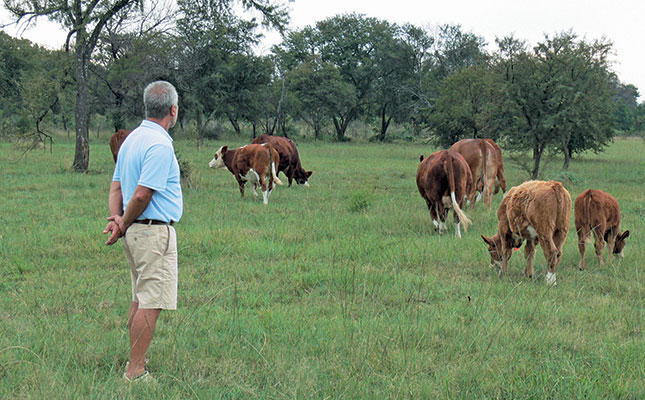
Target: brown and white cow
point(289, 158)
point(254, 163)
point(535, 211)
point(116, 140)
point(484, 157)
point(443, 180)
point(598, 212)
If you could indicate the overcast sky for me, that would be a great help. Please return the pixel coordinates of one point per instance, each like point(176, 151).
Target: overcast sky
point(620, 21)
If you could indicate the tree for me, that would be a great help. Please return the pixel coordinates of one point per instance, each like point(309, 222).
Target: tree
point(461, 110)
point(553, 98)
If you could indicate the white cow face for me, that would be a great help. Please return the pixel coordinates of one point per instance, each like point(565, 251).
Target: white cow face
point(218, 158)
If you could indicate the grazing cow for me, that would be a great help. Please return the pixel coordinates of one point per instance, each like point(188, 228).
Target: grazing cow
point(289, 158)
point(484, 157)
point(444, 179)
point(535, 211)
point(598, 212)
point(253, 162)
point(116, 140)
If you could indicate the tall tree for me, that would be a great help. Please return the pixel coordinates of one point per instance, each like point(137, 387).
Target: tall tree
point(84, 21)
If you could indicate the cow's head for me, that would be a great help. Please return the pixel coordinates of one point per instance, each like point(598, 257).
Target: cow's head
point(218, 158)
point(494, 249)
point(302, 177)
point(620, 243)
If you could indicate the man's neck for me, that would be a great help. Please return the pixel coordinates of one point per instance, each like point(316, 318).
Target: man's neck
point(164, 122)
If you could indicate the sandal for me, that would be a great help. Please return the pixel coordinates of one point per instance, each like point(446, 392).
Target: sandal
point(139, 378)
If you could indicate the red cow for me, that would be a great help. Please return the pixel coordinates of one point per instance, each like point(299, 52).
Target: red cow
point(598, 212)
point(253, 162)
point(535, 211)
point(484, 157)
point(116, 140)
point(289, 158)
point(444, 179)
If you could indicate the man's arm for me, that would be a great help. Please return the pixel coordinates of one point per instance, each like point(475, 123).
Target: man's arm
point(115, 205)
point(136, 205)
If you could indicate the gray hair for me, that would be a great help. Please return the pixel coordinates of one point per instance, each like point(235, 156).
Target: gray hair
point(158, 97)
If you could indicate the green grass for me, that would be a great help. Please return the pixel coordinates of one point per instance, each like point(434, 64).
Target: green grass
point(342, 290)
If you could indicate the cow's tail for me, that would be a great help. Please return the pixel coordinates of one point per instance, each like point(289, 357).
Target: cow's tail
point(272, 160)
point(449, 169)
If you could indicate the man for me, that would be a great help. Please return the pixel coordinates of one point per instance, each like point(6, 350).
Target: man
point(145, 201)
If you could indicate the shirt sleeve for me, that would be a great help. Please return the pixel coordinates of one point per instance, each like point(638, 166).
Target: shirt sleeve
point(156, 167)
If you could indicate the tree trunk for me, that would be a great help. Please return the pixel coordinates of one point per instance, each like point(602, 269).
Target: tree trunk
point(236, 125)
point(537, 157)
point(82, 152)
point(385, 123)
point(567, 156)
point(341, 125)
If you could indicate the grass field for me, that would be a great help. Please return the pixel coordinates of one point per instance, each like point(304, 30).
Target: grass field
point(342, 290)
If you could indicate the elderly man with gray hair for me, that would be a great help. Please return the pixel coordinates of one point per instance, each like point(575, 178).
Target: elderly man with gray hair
point(145, 201)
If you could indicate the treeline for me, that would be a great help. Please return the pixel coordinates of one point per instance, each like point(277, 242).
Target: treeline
point(560, 96)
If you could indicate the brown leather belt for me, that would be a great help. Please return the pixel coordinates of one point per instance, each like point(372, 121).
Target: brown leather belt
point(153, 222)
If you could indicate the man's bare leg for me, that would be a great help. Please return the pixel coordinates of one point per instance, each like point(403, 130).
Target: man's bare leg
point(142, 326)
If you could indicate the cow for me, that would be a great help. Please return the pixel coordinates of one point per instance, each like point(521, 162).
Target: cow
point(289, 159)
point(598, 212)
point(443, 180)
point(535, 211)
point(484, 157)
point(116, 140)
point(253, 162)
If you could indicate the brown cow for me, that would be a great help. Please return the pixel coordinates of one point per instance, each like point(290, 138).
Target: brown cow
point(253, 163)
point(598, 212)
point(289, 158)
point(535, 211)
point(484, 157)
point(116, 140)
point(444, 179)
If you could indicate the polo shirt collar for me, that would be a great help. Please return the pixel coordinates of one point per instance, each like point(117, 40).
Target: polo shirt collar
point(153, 125)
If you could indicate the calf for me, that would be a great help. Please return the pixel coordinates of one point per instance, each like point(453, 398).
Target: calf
point(598, 212)
point(253, 162)
point(484, 157)
point(116, 140)
point(444, 179)
point(289, 158)
point(535, 211)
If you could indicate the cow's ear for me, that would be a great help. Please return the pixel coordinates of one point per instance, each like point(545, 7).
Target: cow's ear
point(625, 235)
point(421, 158)
point(308, 174)
point(488, 240)
point(224, 149)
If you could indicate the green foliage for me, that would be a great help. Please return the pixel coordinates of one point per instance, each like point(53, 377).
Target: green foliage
point(359, 200)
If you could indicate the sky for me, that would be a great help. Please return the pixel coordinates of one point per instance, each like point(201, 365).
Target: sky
point(619, 21)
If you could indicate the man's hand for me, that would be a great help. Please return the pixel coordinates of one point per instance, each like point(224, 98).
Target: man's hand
point(114, 226)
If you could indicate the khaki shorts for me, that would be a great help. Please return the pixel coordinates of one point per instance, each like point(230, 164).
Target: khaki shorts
point(152, 254)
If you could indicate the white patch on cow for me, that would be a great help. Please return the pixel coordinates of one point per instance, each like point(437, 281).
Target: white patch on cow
point(459, 229)
point(252, 176)
point(306, 184)
point(532, 231)
point(621, 255)
point(255, 192)
point(265, 196)
point(442, 226)
point(264, 144)
point(479, 197)
point(218, 160)
point(550, 279)
point(436, 224)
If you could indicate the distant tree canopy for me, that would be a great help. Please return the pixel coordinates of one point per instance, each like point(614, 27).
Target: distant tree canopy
point(558, 97)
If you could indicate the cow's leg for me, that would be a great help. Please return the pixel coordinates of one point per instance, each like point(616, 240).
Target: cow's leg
point(529, 253)
point(507, 251)
point(552, 256)
point(611, 242)
point(265, 191)
point(583, 236)
point(599, 242)
point(489, 184)
point(241, 183)
point(255, 186)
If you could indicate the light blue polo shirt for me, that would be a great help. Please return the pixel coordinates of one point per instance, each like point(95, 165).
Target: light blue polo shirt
point(147, 158)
